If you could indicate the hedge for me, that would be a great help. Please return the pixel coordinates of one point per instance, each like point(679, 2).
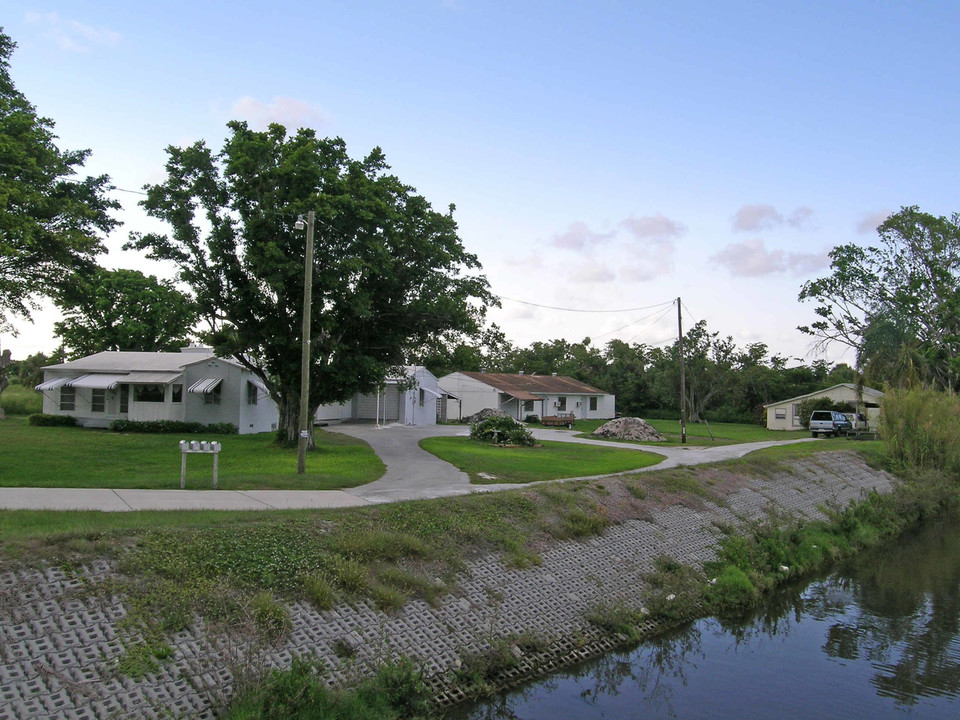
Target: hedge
point(45, 420)
point(173, 426)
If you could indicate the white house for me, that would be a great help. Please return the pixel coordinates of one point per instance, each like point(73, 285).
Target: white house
point(411, 399)
point(192, 385)
point(521, 395)
point(785, 414)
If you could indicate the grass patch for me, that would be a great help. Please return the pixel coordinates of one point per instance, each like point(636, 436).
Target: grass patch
point(550, 461)
point(700, 433)
point(19, 400)
point(84, 457)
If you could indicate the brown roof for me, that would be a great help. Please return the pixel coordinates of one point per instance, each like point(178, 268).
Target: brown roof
point(522, 386)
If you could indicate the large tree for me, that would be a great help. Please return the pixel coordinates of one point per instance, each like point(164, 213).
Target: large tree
point(390, 272)
point(123, 310)
point(905, 289)
point(51, 224)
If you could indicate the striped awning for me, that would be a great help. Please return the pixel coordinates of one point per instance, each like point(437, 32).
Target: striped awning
point(53, 384)
point(202, 387)
point(97, 381)
point(142, 377)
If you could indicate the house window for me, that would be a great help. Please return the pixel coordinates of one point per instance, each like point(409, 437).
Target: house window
point(148, 393)
point(176, 394)
point(422, 393)
point(212, 397)
point(98, 400)
point(251, 393)
point(561, 403)
point(780, 413)
point(124, 398)
point(593, 404)
point(528, 405)
point(68, 398)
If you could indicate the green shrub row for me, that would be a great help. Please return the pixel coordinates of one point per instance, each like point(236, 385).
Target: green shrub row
point(921, 429)
point(501, 430)
point(172, 426)
point(44, 420)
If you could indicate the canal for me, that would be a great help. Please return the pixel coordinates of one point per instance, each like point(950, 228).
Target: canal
point(878, 638)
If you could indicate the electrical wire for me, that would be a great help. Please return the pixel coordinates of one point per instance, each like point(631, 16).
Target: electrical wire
point(563, 309)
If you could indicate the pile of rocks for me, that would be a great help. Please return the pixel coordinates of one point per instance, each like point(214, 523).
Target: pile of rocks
point(629, 428)
point(483, 415)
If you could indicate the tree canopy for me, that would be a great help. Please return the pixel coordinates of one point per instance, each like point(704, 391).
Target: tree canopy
point(897, 303)
point(123, 310)
point(50, 224)
point(390, 272)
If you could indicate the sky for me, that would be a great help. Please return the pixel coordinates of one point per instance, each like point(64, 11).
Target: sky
point(601, 156)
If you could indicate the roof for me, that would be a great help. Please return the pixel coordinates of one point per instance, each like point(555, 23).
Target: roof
point(531, 387)
point(865, 390)
point(113, 362)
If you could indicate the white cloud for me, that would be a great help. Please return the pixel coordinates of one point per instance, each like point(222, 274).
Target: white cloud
point(870, 221)
point(591, 271)
point(801, 218)
point(578, 237)
point(287, 111)
point(530, 261)
point(750, 259)
point(653, 227)
point(71, 35)
point(752, 218)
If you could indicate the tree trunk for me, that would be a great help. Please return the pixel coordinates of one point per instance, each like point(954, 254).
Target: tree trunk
point(288, 425)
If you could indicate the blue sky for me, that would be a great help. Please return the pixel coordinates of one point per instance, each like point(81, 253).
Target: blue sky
point(602, 155)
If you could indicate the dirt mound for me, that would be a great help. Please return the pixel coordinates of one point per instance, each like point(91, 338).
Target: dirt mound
point(629, 428)
point(483, 415)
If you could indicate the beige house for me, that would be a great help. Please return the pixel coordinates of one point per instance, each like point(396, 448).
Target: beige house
point(785, 414)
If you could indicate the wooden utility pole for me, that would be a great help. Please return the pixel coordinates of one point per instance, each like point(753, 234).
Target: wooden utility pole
point(683, 378)
point(305, 351)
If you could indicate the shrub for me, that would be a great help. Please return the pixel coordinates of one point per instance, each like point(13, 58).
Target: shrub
point(173, 427)
point(44, 420)
point(501, 430)
point(535, 419)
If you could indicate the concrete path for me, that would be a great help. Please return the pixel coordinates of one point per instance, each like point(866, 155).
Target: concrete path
point(412, 474)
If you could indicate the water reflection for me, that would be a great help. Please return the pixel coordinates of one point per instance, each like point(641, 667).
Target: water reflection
point(879, 638)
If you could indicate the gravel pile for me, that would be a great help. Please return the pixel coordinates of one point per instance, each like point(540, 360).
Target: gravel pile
point(629, 428)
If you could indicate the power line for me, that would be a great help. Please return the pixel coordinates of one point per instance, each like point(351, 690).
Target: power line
point(552, 307)
point(646, 317)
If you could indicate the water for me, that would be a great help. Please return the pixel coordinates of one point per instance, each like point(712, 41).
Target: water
point(877, 639)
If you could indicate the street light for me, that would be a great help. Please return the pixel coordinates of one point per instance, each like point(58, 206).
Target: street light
point(305, 345)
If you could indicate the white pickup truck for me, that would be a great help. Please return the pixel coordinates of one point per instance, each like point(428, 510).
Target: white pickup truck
point(829, 422)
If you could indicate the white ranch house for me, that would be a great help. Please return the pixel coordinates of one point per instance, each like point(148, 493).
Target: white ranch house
point(520, 395)
point(192, 385)
point(785, 414)
point(411, 399)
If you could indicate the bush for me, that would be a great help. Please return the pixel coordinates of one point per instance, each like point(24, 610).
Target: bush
point(535, 419)
point(44, 420)
point(921, 429)
point(173, 427)
point(500, 430)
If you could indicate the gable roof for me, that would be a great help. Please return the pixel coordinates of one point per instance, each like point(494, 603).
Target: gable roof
point(112, 361)
point(530, 387)
point(865, 390)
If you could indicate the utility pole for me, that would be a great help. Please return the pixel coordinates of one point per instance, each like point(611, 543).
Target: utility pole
point(305, 349)
point(683, 378)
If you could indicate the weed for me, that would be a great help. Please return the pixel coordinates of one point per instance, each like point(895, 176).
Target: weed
point(270, 617)
point(318, 592)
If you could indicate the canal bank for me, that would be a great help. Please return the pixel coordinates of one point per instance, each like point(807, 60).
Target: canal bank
point(61, 645)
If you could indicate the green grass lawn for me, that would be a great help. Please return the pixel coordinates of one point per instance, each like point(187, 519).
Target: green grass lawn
point(552, 461)
point(699, 433)
point(83, 457)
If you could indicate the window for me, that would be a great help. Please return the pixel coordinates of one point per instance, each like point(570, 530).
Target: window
point(422, 393)
point(68, 398)
point(252, 393)
point(148, 393)
point(98, 400)
point(528, 405)
point(796, 410)
point(213, 397)
point(593, 404)
point(124, 398)
point(561, 403)
point(176, 395)
point(780, 413)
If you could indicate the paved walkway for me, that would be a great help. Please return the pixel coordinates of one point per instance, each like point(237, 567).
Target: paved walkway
point(412, 474)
